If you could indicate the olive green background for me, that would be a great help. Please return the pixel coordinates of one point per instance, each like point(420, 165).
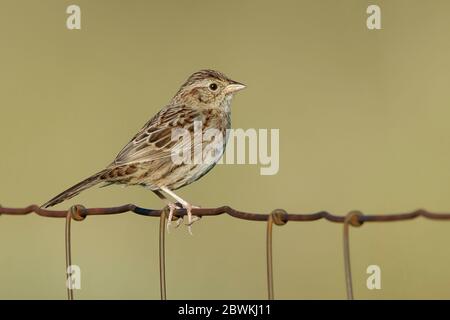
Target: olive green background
point(364, 124)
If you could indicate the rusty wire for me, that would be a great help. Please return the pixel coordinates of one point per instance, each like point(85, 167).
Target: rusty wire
point(269, 258)
point(278, 217)
point(68, 255)
point(352, 218)
point(162, 254)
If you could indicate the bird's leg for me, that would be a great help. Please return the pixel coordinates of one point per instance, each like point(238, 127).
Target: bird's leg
point(172, 208)
point(180, 219)
point(191, 218)
point(185, 205)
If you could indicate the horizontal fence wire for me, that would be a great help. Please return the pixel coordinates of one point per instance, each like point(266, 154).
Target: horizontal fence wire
point(278, 217)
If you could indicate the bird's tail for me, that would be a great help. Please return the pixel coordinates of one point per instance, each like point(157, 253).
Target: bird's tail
point(75, 190)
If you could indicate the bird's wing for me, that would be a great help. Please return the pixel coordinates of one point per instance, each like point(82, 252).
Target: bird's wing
point(154, 141)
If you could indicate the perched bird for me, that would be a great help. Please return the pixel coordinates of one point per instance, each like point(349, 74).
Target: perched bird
point(204, 100)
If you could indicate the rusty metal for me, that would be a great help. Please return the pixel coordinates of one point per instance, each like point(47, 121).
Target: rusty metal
point(68, 254)
point(74, 213)
point(278, 217)
point(353, 218)
point(162, 254)
point(83, 212)
point(77, 212)
point(269, 257)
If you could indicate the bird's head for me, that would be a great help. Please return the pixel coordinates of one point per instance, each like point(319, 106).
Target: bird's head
point(208, 89)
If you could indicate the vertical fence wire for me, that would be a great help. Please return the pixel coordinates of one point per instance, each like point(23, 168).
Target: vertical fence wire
point(68, 255)
point(352, 218)
point(162, 255)
point(278, 217)
point(269, 258)
point(75, 213)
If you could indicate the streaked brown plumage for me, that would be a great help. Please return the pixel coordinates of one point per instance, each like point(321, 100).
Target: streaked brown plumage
point(146, 160)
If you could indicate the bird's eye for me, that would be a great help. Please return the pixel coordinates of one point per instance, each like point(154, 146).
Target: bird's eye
point(213, 86)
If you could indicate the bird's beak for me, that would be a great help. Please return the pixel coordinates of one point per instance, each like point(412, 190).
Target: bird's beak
point(234, 87)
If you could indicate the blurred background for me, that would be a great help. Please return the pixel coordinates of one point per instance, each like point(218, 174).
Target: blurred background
point(364, 124)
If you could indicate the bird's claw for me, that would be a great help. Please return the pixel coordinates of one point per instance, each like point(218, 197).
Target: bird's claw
point(178, 222)
point(172, 208)
point(194, 219)
point(191, 218)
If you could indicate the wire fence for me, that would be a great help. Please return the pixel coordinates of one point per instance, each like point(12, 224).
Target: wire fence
point(278, 217)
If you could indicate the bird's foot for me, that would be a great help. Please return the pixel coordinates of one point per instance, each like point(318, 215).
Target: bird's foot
point(172, 208)
point(191, 218)
point(178, 222)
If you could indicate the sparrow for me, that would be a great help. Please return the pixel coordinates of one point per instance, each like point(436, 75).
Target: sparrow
point(203, 102)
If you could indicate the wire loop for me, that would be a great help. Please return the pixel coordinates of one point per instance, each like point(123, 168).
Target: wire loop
point(77, 212)
point(279, 217)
